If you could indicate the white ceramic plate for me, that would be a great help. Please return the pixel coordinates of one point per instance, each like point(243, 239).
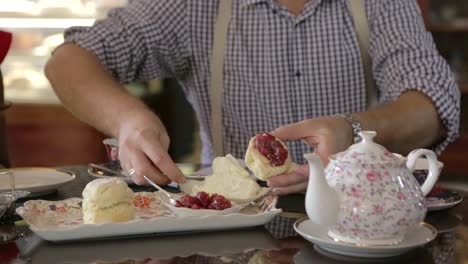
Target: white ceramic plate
point(188, 185)
point(36, 180)
point(317, 234)
point(210, 245)
point(63, 220)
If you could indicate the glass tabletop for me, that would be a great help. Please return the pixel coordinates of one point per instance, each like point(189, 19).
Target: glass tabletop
point(276, 242)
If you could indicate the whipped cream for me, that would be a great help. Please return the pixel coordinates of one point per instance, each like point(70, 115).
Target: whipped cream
point(229, 179)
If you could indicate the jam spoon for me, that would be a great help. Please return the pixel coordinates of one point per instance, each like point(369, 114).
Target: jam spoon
point(171, 199)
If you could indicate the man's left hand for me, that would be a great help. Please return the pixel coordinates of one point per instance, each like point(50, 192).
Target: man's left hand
point(327, 135)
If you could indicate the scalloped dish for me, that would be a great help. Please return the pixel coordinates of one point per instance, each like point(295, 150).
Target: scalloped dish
point(183, 211)
point(63, 220)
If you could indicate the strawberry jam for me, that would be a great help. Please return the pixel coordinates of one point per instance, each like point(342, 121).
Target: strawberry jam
point(271, 148)
point(202, 200)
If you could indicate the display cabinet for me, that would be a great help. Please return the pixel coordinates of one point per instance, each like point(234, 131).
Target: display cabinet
point(40, 131)
point(37, 27)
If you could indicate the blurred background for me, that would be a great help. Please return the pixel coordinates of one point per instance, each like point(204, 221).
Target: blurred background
point(40, 132)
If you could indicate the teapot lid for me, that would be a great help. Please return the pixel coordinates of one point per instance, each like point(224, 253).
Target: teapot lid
point(367, 152)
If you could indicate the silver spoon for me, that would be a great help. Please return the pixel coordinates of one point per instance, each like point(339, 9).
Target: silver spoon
point(171, 199)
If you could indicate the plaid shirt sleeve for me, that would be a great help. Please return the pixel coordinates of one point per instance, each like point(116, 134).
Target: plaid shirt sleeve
point(142, 41)
point(406, 58)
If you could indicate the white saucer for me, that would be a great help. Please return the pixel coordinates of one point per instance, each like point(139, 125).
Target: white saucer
point(443, 205)
point(36, 180)
point(317, 234)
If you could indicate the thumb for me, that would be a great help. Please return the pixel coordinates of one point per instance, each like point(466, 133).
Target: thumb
point(294, 131)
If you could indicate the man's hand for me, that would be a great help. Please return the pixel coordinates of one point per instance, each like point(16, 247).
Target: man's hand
point(82, 83)
point(143, 147)
point(327, 135)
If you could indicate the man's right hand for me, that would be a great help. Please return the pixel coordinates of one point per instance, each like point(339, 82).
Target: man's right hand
point(82, 83)
point(143, 146)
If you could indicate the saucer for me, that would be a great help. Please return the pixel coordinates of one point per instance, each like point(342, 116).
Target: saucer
point(317, 234)
point(36, 181)
point(438, 198)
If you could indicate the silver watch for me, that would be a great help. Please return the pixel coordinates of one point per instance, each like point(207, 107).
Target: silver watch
point(355, 124)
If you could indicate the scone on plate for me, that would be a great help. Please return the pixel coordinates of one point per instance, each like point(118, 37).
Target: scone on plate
point(107, 200)
point(230, 180)
point(267, 156)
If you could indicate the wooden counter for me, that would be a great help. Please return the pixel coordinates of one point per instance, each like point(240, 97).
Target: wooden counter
point(48, 135)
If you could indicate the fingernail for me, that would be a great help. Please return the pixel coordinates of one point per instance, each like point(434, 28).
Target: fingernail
point(139, 181)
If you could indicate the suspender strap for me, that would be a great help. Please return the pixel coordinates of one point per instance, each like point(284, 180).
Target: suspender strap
point(216, 79)
point(358, 11)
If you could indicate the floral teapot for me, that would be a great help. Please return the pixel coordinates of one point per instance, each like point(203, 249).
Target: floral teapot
point(368, 195)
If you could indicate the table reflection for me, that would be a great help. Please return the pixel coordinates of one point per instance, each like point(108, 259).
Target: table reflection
point(225, 245)
point(272, 244)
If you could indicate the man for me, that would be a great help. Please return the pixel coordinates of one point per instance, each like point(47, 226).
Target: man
point(291, 62)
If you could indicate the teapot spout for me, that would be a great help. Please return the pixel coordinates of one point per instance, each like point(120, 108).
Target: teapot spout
point(322, 203)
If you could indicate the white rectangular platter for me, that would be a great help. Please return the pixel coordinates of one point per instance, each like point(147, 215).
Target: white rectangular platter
point(61, 221)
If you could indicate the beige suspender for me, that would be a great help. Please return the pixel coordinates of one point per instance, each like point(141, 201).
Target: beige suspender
point(358, 12)
point(216, 79)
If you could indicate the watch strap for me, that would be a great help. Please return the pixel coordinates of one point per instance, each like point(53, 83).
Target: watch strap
point(355, 125)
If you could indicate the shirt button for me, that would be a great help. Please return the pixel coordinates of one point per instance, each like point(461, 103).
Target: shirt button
point(298, 74)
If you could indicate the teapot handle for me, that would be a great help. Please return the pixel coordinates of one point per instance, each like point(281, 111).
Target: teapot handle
point(434, 171)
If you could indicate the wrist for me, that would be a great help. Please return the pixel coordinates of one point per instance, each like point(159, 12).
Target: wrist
point(137, 119)
point(354, 126)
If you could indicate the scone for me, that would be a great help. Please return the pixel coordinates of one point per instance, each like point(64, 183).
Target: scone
point(267, 156)
point(229, 179)
point(107, 200)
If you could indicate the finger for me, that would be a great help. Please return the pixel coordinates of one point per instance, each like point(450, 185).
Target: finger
point(124, 162)
point(294, 131)
point(325, 149)
point(163, 161)
point(300, 187)
point(296, 176)
point(143, 167)
point(285, 180)
point(165, 141)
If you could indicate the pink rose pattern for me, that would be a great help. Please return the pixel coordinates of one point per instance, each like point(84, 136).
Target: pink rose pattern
point(375, 158)
point(376, 203)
